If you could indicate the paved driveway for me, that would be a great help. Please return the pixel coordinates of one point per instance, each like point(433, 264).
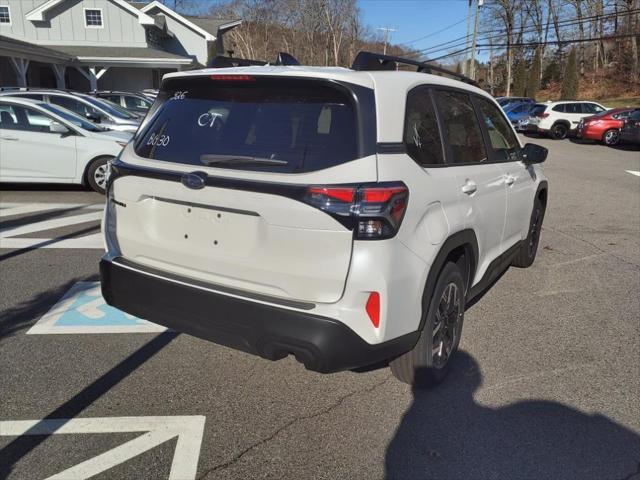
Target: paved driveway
point(547, 384)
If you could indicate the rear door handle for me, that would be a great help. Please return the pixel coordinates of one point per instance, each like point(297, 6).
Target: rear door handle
point(13, 139)
point(509, 179)
point(469, 187)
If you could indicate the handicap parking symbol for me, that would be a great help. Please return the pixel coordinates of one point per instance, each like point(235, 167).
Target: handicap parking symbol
point(83, 310)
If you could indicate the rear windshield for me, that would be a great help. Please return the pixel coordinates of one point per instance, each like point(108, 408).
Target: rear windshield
point(252, 123)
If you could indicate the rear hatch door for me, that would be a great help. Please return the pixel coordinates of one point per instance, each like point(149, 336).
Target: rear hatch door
point(214, 186)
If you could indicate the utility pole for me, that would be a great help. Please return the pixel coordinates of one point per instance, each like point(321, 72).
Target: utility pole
point(386, 31)
point(465, 65)
point(472, 67)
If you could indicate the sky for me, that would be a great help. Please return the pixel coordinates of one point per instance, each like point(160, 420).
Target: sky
point(414, 19)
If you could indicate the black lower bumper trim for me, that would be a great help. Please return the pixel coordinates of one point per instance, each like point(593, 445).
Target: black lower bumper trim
point(321, 344)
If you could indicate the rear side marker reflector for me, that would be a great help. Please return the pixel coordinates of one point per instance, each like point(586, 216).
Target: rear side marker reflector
point(373, 308)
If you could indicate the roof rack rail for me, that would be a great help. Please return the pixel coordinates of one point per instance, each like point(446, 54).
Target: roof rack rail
point(377, 61)
point(225, 62)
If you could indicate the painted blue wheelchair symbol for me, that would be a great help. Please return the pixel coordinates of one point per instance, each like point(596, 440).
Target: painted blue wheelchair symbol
point(83, 310)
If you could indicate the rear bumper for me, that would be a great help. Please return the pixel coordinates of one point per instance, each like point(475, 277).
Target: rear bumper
point(322, 344)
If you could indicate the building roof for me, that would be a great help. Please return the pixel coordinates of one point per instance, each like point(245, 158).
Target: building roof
point(117, 52)
point(11, 47)
point(213, 25)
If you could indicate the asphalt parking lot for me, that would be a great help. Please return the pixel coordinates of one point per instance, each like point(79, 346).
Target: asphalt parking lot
point(547, 384)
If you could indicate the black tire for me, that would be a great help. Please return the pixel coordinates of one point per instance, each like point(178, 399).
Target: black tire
point(611, 137)
point(529, 249)
point(425, 366)
point(559, 131)
point(95, 172)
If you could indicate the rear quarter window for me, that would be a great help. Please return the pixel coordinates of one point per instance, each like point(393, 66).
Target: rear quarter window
point(253, 123)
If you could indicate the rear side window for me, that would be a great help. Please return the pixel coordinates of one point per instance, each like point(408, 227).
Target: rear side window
point(421, 133)
point(504, 144)
point(251, 123)
point(560, 108)
point(462, 134)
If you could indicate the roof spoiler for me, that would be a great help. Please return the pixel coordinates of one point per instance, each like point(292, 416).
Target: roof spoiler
point(221, 61)
point(365, 61)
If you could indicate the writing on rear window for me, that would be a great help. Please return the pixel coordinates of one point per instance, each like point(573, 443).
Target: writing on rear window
point(158, 140)
point(267, 124)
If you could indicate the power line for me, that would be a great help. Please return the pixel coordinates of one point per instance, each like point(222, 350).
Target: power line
point(436, 32)
point(562, 24)
point(487, 46)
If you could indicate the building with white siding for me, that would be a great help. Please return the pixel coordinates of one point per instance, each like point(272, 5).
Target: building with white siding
point(101, 44)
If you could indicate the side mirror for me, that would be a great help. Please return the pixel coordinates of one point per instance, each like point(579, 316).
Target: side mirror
point(56, 127)
point(533, 153)
point(93, 117)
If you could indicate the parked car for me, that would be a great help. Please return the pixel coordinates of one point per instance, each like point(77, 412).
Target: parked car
point(604, 127)
point(510, 101)
point(317, 225)
point(44, 143)
point(559, 119)
point(630, 132)
point(150, 93)
point(97, 110)
point(133, 102)
point(516, 112)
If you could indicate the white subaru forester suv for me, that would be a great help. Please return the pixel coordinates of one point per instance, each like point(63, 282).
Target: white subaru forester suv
point(342, 216)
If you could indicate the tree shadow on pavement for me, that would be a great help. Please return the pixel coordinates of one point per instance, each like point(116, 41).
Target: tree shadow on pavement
point(446, 434)
point(21, 316)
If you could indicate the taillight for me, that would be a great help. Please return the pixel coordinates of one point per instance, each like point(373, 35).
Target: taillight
point(543, 115)
point(374, 212)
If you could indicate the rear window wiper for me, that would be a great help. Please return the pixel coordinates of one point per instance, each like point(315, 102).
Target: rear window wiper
point(212, 159)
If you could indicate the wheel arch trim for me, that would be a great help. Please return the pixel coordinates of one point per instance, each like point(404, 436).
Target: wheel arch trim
point(463, 238)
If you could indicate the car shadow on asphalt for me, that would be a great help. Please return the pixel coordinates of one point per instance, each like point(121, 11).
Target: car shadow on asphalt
point(447, 434)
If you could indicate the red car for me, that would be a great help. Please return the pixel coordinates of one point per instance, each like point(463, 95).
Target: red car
point(604, 127)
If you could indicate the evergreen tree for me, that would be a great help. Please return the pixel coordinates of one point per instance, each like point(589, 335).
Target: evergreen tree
point(570, 80)
point(533, 79)
point(519, 79)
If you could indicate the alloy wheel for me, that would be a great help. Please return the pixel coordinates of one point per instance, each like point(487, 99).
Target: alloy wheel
point(446, 328)
point(560, 131)
point(100, 176)
point(611, 137)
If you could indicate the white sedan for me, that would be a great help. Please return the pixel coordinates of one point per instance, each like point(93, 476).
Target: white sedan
point(45, 143)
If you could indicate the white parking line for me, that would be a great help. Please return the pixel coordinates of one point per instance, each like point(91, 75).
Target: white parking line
point(9, 209)
point(50, 224)
point(188, 429)
point(90, 241)
point(633, 172)
point(84, 213)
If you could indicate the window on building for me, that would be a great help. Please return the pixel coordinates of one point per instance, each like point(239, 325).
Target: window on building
point(93, 18)
point(5, 14)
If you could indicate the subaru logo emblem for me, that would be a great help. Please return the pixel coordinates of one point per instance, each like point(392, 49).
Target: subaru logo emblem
point(195, 180)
